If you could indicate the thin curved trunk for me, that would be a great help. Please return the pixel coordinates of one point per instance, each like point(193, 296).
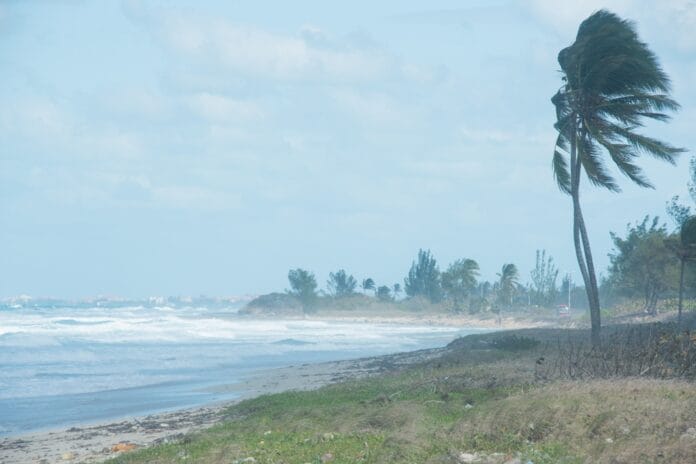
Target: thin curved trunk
point(681, 289)
point(583, 252)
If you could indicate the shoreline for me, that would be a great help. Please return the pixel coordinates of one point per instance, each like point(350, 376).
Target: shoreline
point(90, 442)
point(98, 441)
point(507, 322)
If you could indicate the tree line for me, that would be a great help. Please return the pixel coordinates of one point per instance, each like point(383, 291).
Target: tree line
point(458, 287)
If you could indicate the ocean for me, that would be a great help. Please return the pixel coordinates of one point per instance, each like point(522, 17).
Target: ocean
point(66, 366)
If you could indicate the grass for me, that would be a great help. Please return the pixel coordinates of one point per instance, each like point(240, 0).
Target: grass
point(475, 399)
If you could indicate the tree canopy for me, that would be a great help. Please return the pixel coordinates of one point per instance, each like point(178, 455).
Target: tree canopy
point(303, 285)
point(341, 284)
point(642, 264)
point(424, 278)
point(459, 280)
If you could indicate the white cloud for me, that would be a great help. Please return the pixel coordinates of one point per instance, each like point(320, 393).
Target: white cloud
point(219, 108)
point(259, 52)
point(195, 198)
point(373, 108)
point(518, 136)
point(57, 132)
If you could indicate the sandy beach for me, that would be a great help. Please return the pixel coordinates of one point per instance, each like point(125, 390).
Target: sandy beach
point(99, 441)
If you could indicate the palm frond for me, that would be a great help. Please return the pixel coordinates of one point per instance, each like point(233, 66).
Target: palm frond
point(649, 145)
point(591, 160)
point(623, 157)
point(560, 172)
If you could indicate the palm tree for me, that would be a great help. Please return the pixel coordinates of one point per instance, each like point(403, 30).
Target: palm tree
point(612, 83)
point(508, 282)
point(459, 280)
point(368, 284)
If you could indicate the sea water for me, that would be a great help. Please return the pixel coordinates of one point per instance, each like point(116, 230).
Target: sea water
point(68, 366)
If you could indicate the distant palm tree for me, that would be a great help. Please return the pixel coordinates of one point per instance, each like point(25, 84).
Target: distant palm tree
point(396, 288)
point(368, 284)
point(508, 280)
point(612, 82)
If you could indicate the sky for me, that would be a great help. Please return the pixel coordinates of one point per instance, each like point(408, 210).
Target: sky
point(186, 148)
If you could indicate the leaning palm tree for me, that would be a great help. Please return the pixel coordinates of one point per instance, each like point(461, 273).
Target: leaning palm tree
point(612, 83)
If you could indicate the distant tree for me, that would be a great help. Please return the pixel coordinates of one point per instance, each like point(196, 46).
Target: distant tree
point(678, 212)
point(341, 284)
point(383, 293)
point(675, 209)
point(508, 281)
point(684, 246)
point(612, 83)
point(566, 284)
point(368, 284)
point(303, 285)
point(424, 278)
point(396, 288)
point(459, 280)
point(543, 289)
point(642, 264)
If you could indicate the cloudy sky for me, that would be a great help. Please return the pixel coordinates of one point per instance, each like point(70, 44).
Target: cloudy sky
point(184, 148)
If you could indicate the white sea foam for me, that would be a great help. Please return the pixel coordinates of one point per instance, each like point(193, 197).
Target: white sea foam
point(49, 354)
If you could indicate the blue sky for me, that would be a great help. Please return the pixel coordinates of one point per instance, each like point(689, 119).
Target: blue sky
point(186, 148)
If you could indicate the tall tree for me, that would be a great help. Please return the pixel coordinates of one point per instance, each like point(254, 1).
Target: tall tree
point(341, 284)
point(303, 285)
point(544, 277)
point(612, 83)
point(684, 246)
point(424, 278)
point(459, 280)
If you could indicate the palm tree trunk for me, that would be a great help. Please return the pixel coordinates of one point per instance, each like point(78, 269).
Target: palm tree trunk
point(681, 290)
point(583, 252)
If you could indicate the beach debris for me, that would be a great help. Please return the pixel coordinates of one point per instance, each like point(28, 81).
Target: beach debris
point(328, 436)
point(267, 432)
point(328, 457)
point(690, 434)
point(248, 460)
point(68, 456)
point(467, 458)
point(123, 447)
